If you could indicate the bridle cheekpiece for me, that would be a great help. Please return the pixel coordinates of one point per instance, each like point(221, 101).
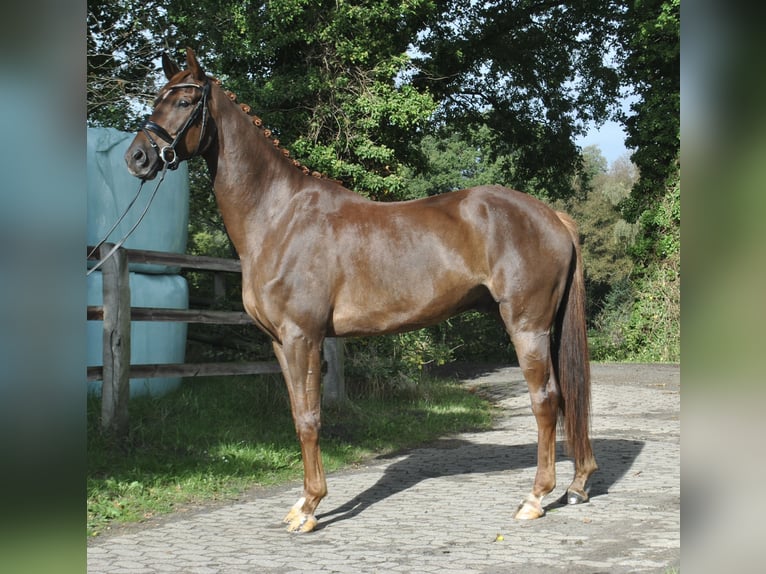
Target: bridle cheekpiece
point(168, 153)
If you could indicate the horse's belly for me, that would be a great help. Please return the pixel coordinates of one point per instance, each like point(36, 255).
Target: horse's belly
point(403, 306)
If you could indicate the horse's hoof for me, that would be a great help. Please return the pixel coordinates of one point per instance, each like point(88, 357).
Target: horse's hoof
point(576, 497)
point(529, 509)
point(295, 511)
point(302, 523)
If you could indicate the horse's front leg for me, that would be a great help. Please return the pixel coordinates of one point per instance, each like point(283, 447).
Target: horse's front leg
point(299, 358)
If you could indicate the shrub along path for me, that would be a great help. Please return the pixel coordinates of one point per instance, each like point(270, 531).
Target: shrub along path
point(448, 506)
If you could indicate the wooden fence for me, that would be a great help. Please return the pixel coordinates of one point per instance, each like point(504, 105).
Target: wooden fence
point(117, 314)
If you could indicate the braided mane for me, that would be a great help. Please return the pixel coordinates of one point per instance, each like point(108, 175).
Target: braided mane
point(258, 122)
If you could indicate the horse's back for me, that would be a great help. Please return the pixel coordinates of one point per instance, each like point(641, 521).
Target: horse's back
point(409, 264)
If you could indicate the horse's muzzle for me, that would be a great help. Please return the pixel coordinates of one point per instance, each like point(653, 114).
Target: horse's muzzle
point(141, 160)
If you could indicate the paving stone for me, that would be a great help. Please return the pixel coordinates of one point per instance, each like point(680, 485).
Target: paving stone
point(441, 507)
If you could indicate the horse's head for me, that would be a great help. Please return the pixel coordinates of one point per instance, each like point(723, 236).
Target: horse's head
point(179, 126)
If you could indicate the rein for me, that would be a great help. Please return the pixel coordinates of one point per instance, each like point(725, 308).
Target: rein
point(119, 244)
point(170, 162)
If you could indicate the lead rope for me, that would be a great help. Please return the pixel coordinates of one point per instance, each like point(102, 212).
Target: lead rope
point(119, 244)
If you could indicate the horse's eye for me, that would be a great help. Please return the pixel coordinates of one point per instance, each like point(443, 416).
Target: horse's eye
point(183, 104)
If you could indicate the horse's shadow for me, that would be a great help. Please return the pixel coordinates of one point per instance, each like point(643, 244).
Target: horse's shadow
point(453, 457)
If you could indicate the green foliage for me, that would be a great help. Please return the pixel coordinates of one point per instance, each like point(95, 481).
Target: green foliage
point(605, 246)
point(120, 55)
point(351, 86)
point(606, 338)
point(606, 238)
point(659, 236)
point(382, 366)
point(656, 321)
point(651, 67)
point(537, 72)
point(453, 160)
point(641, 319)
point(324, 76)
point(654, 330)
point(475, 336)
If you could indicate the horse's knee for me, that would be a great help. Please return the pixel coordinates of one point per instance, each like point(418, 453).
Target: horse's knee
point(307, 434)
point(307, 427)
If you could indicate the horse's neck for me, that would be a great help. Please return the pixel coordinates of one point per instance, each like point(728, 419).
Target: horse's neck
point(250, 177)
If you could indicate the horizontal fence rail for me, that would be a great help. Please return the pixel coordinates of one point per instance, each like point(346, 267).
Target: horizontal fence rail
point(192, 370)
point(117, 314)
point(96, 313)
point(180, 260)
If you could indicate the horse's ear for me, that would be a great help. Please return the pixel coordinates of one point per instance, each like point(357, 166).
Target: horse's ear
point(193, 65)
point(169, 66)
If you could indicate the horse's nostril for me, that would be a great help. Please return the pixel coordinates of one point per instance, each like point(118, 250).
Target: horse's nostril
point(139, 155)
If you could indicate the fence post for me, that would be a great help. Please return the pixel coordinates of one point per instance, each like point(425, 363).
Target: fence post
point(115, 386)
point(334, 383)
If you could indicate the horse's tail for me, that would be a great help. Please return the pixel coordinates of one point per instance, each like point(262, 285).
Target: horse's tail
point(571, 356)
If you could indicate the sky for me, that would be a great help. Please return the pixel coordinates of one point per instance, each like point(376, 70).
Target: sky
point(610, 138)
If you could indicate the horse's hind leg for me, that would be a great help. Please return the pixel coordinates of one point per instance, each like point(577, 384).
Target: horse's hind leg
point(300, 362)
point(533, 350)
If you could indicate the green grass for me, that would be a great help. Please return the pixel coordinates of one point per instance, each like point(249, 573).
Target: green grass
point(215, 438)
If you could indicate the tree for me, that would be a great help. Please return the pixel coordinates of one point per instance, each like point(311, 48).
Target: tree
point(538, 72)
point(453, 160)
point(324, 75)
point(641, 318)
point(650, 45)
point(351, 86)
point(121, 50)
point(606, 237)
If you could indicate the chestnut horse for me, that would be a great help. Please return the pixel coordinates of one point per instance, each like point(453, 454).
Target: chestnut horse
point(319, 260)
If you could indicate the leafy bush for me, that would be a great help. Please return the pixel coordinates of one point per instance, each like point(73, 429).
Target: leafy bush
point(641, 318)
point(607, 336)
point(475, 336)
point(641, 321)
point(391, 365)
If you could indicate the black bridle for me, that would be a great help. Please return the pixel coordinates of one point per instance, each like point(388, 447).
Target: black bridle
point(168, 153)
